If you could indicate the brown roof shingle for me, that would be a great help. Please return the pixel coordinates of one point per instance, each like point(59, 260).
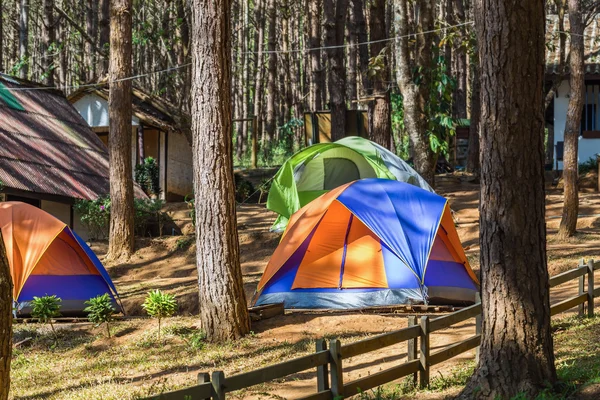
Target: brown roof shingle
point(46, 146)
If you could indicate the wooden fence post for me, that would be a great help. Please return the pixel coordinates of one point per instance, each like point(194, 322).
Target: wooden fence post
point(218, 381)
point(203, 377)
point(590, 288)
point(424, 369)
point(412, 346)
point(337, 379)
point(581, 288)
point(322, 370)
point(478, 325)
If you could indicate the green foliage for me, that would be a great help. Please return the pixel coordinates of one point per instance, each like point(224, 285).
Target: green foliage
point(191, 202)
point(398, 129)
point(185, 242)
point(194, 338)
point(95, 215)
point(588, 166)
point(264, 188)
point(160, 305)
point(147, 175)
point(100, 310)
point(243, 189)
point(46, 308)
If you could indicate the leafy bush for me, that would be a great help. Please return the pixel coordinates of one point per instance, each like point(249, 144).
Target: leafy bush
point(100, 311)
point(147, 175)
point(191, 202)
point(160, 305)
point(588, 166)
point(95, 215)
point(243, 189)
point(45, 308)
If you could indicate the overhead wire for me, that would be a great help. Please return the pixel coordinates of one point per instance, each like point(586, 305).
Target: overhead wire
point(177, 67)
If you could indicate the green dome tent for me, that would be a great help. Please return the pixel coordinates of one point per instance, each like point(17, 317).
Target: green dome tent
point(324, 166)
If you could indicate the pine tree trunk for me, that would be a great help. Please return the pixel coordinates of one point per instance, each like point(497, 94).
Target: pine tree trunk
point(121, 238)
point(335, 18)
point(317, 70)
point(352, 59)
point(2, 38)
point(473, 162)
point(271, 125)
point(516, 354)
point(416, 96)
point(459, 64)
point(91, 22)
point(380, 109)
point(259, 20)
point(223, 313)
point(568, 223)
point(6, 289)
point(104, 26)
point(24, 38)
point(360, 25)
point(49, 38)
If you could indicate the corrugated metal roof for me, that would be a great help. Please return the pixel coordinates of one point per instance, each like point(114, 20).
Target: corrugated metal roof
point(591, 42)
point(47, 147)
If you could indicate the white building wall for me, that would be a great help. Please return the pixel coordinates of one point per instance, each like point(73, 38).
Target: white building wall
point(94, 109)
point(587, 147)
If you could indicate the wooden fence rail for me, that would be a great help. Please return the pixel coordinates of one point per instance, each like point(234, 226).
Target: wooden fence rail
point(328, 361)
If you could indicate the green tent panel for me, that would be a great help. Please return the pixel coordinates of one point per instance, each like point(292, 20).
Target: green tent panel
point(322, 167)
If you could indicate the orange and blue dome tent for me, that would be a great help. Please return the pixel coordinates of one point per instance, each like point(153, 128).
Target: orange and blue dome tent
point(371, 242)
point(47, 258)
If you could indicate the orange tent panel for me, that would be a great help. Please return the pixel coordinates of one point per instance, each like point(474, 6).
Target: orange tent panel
point(364, 266)
point(450, 237)
point(65, 257)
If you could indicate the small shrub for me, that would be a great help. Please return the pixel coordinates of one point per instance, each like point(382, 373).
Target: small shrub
point(243, 189)
point(160, 305)
point(587, 166)
point(45, 308)
point(191, 202)
point(147, 175)
point(185, 242)
point(100, 311)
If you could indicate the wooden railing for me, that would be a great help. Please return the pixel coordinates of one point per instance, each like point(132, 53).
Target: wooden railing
point(328, 360)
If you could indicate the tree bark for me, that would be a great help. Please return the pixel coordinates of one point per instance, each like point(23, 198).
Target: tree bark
point(415, 96)
point(223, 313)
point(335, 25)
point(568, 222)
point(6, 290)
point(259, 20)
point(121, 238)
point(317, 70)
point(104, 27)
point(271, 125)
point(473, 161)
point(516, 353)
point(24, 38)
point(49, 38)
point(459, 63)
point(360, 24)
point(91, 26)
point(2, 39)
point(380, 108)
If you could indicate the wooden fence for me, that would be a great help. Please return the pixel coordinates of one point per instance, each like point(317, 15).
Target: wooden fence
point(328, 360)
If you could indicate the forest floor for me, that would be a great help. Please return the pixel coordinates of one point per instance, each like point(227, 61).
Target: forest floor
point(83, 364)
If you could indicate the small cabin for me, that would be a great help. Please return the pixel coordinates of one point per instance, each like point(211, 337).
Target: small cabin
point(154, 133)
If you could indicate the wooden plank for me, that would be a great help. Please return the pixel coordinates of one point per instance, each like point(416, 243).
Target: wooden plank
point(567, 276)
point(379, 341)
point(568, 304)
point(596, 265)
point(451, 319)
point(266, 311)
point(326, 395)
point(360, 385)
point(203, 391)
point(424, 359)
point(322, 370)
point(335, 368)
point(276, 371)
point(412, 350)
point(597, 292)
point(590, 298)
point(454, 350)
point(581, 289)
point(218, 383)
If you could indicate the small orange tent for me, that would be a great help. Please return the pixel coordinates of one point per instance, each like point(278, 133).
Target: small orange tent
point(47, 258)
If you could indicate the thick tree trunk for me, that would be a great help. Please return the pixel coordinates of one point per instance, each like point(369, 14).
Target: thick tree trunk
point(103, 44)
point(49, 38)
point(335, 25)
point(352, 55)
point(271, 125)
point(380, 109)
point(415, 97)
point(360, 25)
point(317, 70)
point(121, 238)
point(568, 223)
point(223, 313)
point(6, 289)
point(473, 162)
point(24, 38)
point(516, 354)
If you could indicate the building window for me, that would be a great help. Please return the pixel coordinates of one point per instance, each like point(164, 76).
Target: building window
point(590, 115)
